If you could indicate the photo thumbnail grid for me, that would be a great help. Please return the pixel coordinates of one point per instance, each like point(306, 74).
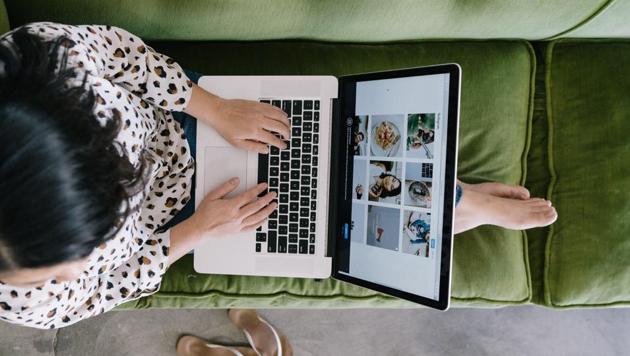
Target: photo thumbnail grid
point(393, 181)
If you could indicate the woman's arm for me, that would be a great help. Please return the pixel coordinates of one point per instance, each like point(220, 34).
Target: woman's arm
point(243, 123)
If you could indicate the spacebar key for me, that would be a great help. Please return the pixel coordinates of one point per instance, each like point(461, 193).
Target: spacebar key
point(263, 164)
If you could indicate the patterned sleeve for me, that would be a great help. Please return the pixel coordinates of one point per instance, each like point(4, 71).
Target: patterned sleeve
point(57, 305)
point(125, 60)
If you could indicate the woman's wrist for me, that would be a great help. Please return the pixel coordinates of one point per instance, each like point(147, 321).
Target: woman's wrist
point(203, 105)
point(185, 236)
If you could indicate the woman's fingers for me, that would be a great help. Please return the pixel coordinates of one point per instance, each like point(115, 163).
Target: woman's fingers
point(275, 113)
point(255, 206)
point(255, 226)
point(251, 194)
point(224, 189)
point(269, 138)
point(251, 145)
point(275, 126)
point(260, 215)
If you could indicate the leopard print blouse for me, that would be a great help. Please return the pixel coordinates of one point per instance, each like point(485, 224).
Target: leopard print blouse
point(141, 87)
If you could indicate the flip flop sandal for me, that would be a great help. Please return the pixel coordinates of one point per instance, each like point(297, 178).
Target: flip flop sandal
point(249, 319)
point(191, 345)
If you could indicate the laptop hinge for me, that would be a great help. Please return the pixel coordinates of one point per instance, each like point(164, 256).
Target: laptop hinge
point(335, 155)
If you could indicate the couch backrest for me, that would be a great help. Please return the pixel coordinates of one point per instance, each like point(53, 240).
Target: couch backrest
point(337, 20)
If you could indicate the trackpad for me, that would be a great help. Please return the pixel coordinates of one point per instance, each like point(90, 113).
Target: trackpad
point(221, 164)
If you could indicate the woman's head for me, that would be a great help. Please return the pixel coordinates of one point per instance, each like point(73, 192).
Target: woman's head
point(391, 185)
point(64, 183)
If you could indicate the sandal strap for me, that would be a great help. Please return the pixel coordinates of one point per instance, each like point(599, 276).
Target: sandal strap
point(275, 335)
point(235, 351)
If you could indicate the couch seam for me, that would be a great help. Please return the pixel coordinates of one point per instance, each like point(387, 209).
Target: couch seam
point(552, 170)
point(524, 165)
point(601, 9)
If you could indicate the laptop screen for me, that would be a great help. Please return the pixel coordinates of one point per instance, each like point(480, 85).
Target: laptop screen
point(398, 149)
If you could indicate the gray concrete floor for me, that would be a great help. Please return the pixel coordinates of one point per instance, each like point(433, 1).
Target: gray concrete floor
point(508, 331)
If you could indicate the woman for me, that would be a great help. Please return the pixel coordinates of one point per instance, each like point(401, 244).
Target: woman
point(94, 166)
point(382, 183)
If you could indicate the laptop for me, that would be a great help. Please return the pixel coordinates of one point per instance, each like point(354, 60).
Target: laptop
point(366, 187)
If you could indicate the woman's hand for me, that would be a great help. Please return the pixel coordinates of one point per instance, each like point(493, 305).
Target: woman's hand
point(243, 123)
point(217, 215)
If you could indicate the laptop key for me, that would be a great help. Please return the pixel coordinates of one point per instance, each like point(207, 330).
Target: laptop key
point(294, 217)
point(296, 121)
point(308, 126)
point(295, 174)
point(283, 230)
point(313, 183)
point(295, 163)
point(272, 224)
point(293, 238)
point(258, 247)
point(285, 155)
point(295, 153)
point(261, 237)
point(276, 103)
point(284, 187)
point(296, 131)
point(312, 239)
point(292, 248)
point(297, 107)
point(311, 250)
point(308, 104)
point(295, 185)
point(273, 182)
point(274, 160)
point(284, 166)
point(316, 116)
point(305, 190)
point(294, 206)
point(293, 228)
point(308, 115)
point(265, 101)
point(316, 105)
point(304, 212)
point(304, 201)
point(282, 244)
point(312, 227)
point(307, 137)
point(283, 219)
point(284, 176)
point(303, 233)
point(313, 205)
point(304, 222)
point(284, 209)
point(303, 245)
point(286, 106)
point(271, 244)
point(273, 171)
point(284, 198)
point(294, 196)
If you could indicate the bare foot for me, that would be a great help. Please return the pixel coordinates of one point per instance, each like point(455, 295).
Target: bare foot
point(261, 334)
point(498, 189)
point(478, 208)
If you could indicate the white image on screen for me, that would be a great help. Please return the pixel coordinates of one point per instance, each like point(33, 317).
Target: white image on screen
point(357, 233)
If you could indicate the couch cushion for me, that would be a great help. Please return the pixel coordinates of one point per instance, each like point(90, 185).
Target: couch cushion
point(327, 20)
point(490, 264)
point(588, 247)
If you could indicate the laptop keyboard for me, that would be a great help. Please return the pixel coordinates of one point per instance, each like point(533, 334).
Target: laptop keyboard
point(292, 174)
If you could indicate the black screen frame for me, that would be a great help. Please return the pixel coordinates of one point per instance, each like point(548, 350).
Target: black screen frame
point(342, 179)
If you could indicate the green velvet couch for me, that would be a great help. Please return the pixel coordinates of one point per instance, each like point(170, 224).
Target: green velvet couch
point(545, 103)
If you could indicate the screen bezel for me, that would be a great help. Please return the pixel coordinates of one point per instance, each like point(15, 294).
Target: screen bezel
point(339, 198)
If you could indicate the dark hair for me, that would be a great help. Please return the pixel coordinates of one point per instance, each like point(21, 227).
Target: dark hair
point(65, 184)
point(390, 193)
